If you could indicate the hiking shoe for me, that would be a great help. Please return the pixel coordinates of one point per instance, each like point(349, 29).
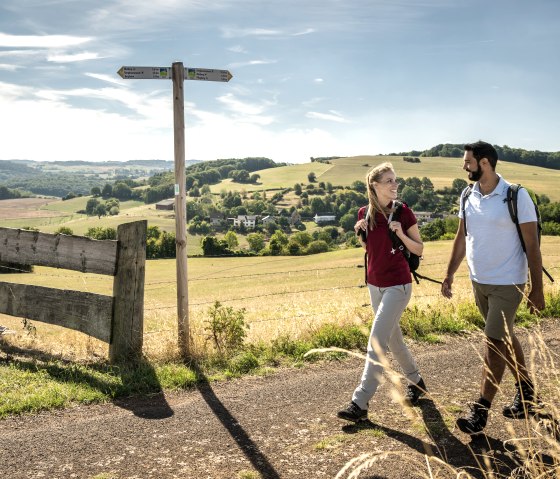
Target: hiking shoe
point(353, 413)
point(524, 402)
point(475, 421)
point(414, 392)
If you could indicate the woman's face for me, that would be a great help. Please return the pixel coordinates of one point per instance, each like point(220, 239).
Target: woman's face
point(387, 187)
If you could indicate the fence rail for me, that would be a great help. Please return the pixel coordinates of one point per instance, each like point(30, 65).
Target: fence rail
point(117, 319)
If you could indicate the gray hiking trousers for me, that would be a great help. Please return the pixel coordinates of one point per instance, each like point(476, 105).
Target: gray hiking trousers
point(388, 305)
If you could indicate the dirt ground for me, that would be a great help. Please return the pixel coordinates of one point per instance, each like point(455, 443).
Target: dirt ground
point(280, 426)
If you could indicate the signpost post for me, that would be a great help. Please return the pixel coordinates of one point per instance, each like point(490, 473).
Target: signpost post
point(178, 74)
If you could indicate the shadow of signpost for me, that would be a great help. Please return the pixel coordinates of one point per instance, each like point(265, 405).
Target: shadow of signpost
point(251, 451)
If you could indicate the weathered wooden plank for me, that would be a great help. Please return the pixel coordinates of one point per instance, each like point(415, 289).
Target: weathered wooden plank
point(86, 312)
point(58, 251)
point(128, 292)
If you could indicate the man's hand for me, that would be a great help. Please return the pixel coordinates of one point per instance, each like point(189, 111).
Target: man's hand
point(535, 301)
point(446, 287)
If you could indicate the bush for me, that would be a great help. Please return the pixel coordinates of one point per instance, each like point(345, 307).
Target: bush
point(226, 328)
point(316, 247)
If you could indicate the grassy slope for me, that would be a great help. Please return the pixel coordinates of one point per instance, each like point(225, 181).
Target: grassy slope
point(441, 171)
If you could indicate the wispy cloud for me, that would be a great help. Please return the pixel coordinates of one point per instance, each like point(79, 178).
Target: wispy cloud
point(70, 58)
point(8, 67)
point(237, 49)
point(229, 32)
point(106, 78)
point(251, 63)
point(246, 111)
point(331, 116)
point(41, 41)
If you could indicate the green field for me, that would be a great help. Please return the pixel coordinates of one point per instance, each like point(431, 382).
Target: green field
point(441, 171)
point(281, 295)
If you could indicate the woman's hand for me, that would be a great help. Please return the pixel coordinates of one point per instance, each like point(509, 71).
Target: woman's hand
point(360, 225)
point(396, 227)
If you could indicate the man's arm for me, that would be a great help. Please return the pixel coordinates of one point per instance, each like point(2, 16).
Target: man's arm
point(457, 255)
point(530, 236)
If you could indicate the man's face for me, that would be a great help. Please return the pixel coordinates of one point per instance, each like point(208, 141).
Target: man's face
point(471, 166)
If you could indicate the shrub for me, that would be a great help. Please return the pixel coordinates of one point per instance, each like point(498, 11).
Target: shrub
point(226, 328)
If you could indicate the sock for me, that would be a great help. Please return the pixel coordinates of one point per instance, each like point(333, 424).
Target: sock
point(484, 402)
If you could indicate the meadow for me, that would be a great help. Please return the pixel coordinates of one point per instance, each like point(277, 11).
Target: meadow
point(281, 296)
point(441, 171)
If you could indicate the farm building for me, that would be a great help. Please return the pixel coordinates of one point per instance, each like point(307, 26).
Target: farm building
point(166, 204)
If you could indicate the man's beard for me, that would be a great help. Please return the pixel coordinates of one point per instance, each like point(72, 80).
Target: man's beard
point(475, 175)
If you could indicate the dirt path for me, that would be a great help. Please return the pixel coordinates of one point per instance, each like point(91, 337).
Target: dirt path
point(283, 426)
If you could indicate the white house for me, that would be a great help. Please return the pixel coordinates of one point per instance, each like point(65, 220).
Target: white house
point(324, 217)
point(249, 221)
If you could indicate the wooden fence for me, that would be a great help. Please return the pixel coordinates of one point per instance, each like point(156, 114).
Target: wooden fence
point(117, 319)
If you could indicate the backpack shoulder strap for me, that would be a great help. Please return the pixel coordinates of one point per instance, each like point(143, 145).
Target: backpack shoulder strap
point(464, 195)
point(511, 200)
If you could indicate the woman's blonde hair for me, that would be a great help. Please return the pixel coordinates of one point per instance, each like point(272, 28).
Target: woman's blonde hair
point(374, 175)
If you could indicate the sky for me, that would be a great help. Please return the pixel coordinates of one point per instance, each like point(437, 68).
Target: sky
point(311, 78)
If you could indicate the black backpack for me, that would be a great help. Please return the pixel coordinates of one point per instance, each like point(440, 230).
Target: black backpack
point(412, 259)
point(511, 200)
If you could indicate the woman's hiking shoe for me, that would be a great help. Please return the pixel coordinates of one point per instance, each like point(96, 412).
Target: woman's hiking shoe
point(475, 421)
point(524, 402)
point(353, 413)
point(414, 392)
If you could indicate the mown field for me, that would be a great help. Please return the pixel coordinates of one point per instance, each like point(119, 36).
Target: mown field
point(441, 171)
point(281, 296)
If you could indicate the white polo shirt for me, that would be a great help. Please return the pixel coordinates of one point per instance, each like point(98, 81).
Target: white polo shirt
point(494, 252)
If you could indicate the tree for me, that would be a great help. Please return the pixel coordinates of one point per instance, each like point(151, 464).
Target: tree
point(458, 186)
point(311, 177)
point(91, 205)
point(107, 191)
point(231, 239)
point(100, 210)
point(95, 191)
point(297, 189)
point(359, 186)
point(409, 196)
point(122, 191)
point(256, 241)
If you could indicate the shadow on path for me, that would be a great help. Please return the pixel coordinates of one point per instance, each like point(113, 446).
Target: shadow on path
point(477, 457)
point(140, 380)
point(232, 426)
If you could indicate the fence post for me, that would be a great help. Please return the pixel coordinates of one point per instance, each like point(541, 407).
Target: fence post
point(128, 291)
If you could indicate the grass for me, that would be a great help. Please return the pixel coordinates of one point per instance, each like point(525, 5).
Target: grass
point(293, 304)
point(441, 171)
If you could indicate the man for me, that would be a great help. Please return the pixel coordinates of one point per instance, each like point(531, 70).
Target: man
point(498, 271)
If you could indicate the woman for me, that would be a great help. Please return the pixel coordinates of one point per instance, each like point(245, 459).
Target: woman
point(390, 287)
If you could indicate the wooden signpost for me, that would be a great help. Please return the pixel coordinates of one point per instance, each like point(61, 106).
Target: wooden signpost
point(178, 74)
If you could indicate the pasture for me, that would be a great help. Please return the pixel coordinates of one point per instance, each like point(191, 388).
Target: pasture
point(282, 296)
point(441, 171)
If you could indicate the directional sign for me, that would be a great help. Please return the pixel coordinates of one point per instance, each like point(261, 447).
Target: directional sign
point(161, 73)
point(206, 74)
point(164, 73)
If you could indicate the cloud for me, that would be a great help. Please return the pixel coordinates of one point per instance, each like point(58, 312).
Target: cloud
point(41, 41)
point(70, 58)
point(251, 63)
point(332, 116)
point(107, 78)
point(8, 67)
point(229, 32)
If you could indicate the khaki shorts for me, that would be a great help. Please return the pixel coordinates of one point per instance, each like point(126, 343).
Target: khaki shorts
point(498, 305)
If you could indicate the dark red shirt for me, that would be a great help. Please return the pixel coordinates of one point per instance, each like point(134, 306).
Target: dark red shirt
point(386, 265)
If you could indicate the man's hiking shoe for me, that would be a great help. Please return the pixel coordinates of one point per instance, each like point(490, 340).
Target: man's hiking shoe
point(414, 392)
point(353, 413)
point(524, 403)
point(475, 421)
